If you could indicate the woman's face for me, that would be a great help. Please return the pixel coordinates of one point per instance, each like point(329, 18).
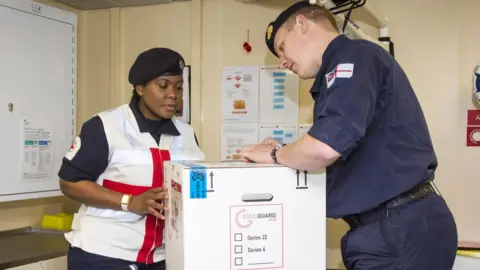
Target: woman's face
point(161, 96)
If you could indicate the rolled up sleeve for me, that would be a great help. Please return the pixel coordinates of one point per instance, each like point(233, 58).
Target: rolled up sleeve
point(343, 114)
point(89, 157)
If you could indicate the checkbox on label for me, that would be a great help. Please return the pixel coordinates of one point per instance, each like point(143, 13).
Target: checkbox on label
point(238, 261)
point(238, 237)
point(238, 249)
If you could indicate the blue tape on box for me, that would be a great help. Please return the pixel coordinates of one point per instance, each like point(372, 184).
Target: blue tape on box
point(198, 182)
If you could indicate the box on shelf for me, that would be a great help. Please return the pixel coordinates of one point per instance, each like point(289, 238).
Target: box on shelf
point(241, 216)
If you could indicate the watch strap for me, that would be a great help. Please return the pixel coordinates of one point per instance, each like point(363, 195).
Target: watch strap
point(273, 154)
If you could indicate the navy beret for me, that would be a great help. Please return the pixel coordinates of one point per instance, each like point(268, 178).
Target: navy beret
point(153, 63)
point(281, 19)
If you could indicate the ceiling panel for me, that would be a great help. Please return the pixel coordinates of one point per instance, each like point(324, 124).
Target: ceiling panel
point(101, 4)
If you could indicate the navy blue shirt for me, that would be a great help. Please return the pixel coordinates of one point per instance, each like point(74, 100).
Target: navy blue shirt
point(91, 160)
point(366, 109)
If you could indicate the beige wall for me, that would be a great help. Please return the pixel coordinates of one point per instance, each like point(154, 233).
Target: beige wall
point(436, 46)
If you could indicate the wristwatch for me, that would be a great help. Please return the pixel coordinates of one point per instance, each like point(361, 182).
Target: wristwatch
point(273, 154)
point(126, 199)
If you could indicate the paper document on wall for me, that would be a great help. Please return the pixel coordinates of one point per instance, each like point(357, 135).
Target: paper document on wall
point(282, 133)
point(236, 136)
point(303, 129)
point(37, 149)
point(279, 90)
point(240, 94)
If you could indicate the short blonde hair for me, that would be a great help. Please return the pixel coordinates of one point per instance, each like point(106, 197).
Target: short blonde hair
point(315, 13)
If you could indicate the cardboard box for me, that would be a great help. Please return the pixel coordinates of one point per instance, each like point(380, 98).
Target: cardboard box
point(244, 216)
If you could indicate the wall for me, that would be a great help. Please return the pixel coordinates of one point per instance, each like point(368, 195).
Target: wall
point(466, 182)
point(114, 38)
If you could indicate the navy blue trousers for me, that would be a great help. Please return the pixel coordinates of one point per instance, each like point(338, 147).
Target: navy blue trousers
point(81, 260)
point(421, 235)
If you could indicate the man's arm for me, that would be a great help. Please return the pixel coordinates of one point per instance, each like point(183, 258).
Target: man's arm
point(307, 153)
point(341, 118)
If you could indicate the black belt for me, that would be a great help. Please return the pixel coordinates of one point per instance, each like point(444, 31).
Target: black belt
point(419, 192)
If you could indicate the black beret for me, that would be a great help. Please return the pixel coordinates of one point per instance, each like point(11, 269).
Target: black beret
point(153, 63)
point(281, 19)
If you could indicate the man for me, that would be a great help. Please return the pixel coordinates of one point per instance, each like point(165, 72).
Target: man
point(370, 132)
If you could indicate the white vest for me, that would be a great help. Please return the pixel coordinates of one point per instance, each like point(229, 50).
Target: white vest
point(135, 165)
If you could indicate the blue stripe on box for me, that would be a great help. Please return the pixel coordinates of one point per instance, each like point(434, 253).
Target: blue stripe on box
point(198, 182)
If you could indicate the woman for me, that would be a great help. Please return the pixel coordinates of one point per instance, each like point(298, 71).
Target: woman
point(115, 168)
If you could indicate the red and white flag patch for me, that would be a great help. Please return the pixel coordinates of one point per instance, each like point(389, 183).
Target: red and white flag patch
point(340, 71)
point(74, 148)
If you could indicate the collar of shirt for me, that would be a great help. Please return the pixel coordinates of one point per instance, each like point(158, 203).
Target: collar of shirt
point(157, 127)
point(332, 49)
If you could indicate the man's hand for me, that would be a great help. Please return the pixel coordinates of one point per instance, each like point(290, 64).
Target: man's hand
point(259, 153)
point(150, 202)
point(270, 141)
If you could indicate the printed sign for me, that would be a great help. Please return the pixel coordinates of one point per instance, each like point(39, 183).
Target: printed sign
point(473, 136)
point(473, 118)
point(256, 237)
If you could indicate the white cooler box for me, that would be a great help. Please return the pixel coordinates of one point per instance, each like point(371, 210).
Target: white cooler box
point(239, 216)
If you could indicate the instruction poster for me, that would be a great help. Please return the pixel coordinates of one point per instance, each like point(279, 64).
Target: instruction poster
point(279, 94)
point(303, 129)
point(235, 137)
point(37, 150)
point(282, 133)
point(240, 94)
point(256, 237)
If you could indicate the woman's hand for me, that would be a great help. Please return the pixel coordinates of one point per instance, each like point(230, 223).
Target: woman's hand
point(150, 202)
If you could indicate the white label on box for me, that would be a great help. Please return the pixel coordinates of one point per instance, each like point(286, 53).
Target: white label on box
point(256, 236)
point(175, 210)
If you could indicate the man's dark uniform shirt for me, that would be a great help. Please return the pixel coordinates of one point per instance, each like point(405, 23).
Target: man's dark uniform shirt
point(92, 158)
point(366, 109)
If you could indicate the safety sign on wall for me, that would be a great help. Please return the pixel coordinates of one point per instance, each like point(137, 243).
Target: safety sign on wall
point(473, 128)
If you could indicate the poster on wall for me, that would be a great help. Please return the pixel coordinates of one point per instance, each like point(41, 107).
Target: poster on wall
point(240, 94)
point(279, 94)
point(235, 137)
point(183, 107)
point(303, 129)
point(282, 133)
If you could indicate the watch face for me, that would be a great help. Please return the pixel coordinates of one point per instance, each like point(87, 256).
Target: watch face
point(126, 199)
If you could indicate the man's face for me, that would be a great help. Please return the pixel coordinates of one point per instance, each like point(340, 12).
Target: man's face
point(294, 48)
